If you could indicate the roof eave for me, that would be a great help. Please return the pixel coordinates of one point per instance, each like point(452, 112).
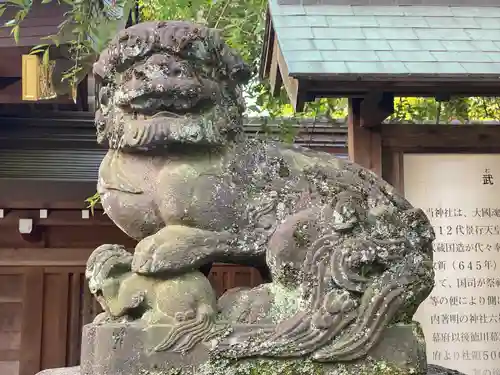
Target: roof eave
point(356, 85)
point(493, 78)
point(267, 47)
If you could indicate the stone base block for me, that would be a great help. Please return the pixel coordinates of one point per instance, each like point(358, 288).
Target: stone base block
point(432, 370)
point(62, 371)
point(125, 349)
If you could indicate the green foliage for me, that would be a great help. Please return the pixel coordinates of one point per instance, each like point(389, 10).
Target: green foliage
point(462, 110)
point(89, 25)
point(242, 24)
point(93, 202)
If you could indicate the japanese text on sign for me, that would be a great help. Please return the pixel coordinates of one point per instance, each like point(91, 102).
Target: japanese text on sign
point(460, 197)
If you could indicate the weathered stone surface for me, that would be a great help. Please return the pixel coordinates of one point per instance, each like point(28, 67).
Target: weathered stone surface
point(349, 259)
point(438, 370)
point(62, 371)
point(121, 349)
point(309, 369)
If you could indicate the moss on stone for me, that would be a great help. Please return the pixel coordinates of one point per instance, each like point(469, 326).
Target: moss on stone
point(301, 235)
point(300, 367)
point(384, 368)
point(262, 367)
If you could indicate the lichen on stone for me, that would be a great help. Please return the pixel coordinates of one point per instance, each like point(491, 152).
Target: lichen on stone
point(347, 259)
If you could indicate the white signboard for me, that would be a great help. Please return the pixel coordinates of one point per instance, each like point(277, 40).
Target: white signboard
point(460, 194)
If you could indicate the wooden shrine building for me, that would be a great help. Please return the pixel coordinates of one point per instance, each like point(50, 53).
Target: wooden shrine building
point(47, 168)
point(378, 49)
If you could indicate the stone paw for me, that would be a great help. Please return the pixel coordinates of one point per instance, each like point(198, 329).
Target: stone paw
point(144, 254)
point(141, 265)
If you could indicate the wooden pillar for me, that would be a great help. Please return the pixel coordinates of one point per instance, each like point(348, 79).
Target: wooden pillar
point(364, 143)
point(31, 330)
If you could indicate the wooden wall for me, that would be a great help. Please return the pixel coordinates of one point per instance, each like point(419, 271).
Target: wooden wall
point(42, 310)
point(44, 299)
point(398, 139)
point(42, 20)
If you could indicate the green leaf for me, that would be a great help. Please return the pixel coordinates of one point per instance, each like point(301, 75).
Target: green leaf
point(46, 57)
point(19, 3)
point(46, 1)
point(15, 33)
point(40, 46)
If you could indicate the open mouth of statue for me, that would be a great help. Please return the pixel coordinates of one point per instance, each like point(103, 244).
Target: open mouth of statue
point(167, 106)
point(174, 100)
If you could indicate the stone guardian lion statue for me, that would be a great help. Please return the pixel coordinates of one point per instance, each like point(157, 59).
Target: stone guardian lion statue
point(347, 256)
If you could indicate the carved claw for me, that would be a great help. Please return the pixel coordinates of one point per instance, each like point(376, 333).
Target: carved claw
point(141, 264)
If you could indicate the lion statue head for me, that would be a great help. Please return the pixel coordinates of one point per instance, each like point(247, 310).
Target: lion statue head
point(168, 83)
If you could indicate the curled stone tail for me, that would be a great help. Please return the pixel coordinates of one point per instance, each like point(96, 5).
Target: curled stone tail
point(375, 314)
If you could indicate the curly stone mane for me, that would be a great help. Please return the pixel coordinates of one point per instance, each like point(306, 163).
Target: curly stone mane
point(166, 83)
point(179, 38)
point(103, 262)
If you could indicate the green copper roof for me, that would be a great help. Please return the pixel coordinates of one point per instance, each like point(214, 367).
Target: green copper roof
point(343, 39)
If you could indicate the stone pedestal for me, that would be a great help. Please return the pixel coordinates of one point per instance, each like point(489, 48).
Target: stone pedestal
point(124, 349)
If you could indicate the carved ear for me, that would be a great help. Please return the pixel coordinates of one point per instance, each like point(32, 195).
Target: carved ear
point(114, 268)
point(231, 62)
point(241, 73)
point(107, 261)
point(238, 71)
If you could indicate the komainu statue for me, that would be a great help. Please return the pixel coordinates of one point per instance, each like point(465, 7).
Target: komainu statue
point(347, 259)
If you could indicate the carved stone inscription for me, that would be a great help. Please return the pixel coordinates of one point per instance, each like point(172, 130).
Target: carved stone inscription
point(461, 317)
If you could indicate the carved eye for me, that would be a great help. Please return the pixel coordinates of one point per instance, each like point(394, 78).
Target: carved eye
point(176, 71)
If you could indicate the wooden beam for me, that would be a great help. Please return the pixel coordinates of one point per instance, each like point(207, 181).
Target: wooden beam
point(296, 96)
point(9, 355)
point(438, 138)
point(364, 144)
point(44, 257)
point(375, 108)
point(267, 47)
point(31, 330)
point(55, 218)
point(327, 87)
point(275, 79)
point(393, 168)
point(23, 194)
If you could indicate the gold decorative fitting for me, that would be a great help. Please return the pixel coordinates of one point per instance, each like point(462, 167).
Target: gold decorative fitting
point(37, 78)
